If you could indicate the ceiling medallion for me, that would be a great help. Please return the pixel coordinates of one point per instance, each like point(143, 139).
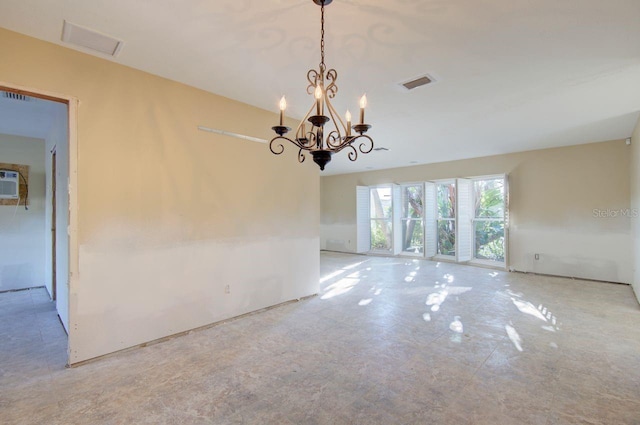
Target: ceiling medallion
point(322, 85)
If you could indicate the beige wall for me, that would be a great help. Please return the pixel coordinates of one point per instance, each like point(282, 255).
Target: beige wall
point(168, 216)
point(635, 206)
point(22, 232)
point(554, 193)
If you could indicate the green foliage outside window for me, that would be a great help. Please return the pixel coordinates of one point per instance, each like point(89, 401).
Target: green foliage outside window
point(446, 237)
point(490, 240)
point(446, 201)
point(489, 234)
point(380, 235)
point(413, 230)
point(381, 213)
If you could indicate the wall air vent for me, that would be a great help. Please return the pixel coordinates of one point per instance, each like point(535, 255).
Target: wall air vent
point(417, 82)
point(16, 96)
point(90, 39)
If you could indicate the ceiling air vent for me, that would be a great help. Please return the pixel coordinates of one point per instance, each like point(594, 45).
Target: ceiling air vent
point(16, 96)
point(90, 39)
point(417, 82)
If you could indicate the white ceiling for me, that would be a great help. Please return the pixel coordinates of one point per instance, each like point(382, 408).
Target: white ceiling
point(28, 118)
point(512, 75)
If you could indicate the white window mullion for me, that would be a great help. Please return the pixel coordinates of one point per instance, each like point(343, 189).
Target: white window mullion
point(464, 223)
point(506, 221)
point(397, 219)
point(363, 225)
point(430, 222)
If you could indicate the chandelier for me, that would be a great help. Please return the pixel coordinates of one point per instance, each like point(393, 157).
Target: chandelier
point(327, 133)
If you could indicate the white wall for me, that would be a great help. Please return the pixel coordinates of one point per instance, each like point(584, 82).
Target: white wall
point(22, 232)
point(553, 195)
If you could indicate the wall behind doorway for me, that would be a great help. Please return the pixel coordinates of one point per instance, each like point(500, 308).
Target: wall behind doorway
point(22, 232)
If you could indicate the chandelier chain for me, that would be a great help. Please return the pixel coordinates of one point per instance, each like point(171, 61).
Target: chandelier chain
point(322, 65)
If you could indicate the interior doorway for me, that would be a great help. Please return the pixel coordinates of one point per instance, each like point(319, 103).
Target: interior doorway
point(53, 224)
point(23, 112)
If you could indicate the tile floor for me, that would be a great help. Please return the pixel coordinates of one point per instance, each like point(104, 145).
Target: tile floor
point(387, 341)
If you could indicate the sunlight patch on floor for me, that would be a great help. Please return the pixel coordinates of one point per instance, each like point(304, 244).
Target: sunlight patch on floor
point(514, 337)
point(340, 287)
point(456, 325)
point(435, 299)
point(331, 275)
point(528, 308)
point(410, 277)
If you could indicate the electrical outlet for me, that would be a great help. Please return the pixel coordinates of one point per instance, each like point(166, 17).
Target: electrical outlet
point(537, 256)
point(227, 289)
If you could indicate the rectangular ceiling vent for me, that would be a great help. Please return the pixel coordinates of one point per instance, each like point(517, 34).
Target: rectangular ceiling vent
point(90, 39)
point(16, 96)
point(417, 82)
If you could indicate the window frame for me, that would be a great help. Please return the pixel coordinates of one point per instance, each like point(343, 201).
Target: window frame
point(403, 217)
point(390, 220)
point(504, 219)
point(438, 255)
point(464, 220)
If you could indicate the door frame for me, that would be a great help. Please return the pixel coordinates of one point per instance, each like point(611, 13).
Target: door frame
point(72, 173)
point(53, 223)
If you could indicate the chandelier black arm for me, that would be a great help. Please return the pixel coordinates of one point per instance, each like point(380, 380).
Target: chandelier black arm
point(364, 147)
point(334, 141)
point(279, 147)
point(353, 153)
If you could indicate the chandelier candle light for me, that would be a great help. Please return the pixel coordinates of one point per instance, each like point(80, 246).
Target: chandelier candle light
point(322, 84)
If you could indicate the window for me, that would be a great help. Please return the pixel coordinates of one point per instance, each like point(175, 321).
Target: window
point(446, 220)
point(381, 216)
point(412, 218)
point(461, 219)
point(489, 219)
